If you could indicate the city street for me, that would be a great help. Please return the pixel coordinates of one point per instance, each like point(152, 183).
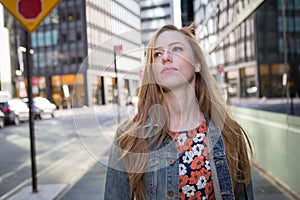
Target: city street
point(93, 62)
point(72, 151)
point(66, 147)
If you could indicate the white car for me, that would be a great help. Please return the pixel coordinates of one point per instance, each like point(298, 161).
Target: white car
point(42, 107)
point(15, 111)
point(1, 119)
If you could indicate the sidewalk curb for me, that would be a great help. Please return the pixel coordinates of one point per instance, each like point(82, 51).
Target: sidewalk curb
point(45, 192)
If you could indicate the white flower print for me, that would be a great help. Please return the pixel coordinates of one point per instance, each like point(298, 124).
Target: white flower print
point(207, 166)
point(189, 190)
point(197, 149)
point(181, 139)
point(199, 137)
point(188, 157)
point(205, 197)
point(182, 169)
point(202, 182)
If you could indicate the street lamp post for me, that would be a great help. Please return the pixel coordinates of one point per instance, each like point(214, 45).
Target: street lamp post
point(30, 102)
point(117, 49)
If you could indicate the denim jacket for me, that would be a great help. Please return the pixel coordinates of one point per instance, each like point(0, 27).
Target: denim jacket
point(161, 177)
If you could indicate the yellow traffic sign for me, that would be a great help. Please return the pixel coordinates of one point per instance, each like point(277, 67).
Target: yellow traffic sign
point(30, 13)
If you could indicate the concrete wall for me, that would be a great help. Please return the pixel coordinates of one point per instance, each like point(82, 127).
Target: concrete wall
point(276, 142)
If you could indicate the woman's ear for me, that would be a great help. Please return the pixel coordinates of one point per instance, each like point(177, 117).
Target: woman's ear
point(197, 67)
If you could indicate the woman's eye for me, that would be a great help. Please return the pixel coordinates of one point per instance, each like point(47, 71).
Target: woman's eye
point(157, 54)
point(176, 49)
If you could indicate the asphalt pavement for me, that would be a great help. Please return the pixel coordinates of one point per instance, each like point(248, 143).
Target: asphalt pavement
point(91, 185)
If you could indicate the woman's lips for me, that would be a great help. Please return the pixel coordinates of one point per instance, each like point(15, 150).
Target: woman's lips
point(168, 69)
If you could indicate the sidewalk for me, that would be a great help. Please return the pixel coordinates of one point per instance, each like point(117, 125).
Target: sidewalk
point(91, 187)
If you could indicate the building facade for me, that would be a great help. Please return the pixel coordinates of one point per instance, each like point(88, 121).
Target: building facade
point(113, 26)
point(244, 40)
point(5, 80)
point(154, 14)
point(73, 60)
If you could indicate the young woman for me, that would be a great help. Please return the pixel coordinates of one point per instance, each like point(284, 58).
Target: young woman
point(183, 142)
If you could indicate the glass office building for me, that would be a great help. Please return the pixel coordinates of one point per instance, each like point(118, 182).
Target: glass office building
point(155, 14)
point(245, 42)
point(73, 59)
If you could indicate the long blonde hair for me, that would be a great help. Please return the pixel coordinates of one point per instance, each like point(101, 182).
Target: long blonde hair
point(134, 137)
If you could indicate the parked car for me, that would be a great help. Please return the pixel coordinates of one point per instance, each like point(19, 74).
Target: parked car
point(1, 119)
point(15, 111)
point(42, 106)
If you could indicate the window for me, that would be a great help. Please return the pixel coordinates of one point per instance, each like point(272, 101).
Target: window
point(78, 36)
point(290, 24)
point(42, 60)
point(297, 22)
point(78, 14)
point(48, 38)
point(232, 80)
point(64, 37)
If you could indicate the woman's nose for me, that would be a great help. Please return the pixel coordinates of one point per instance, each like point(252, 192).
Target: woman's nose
point(166, 57)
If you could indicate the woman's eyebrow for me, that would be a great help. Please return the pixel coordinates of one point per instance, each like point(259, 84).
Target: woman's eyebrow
point(172, 43)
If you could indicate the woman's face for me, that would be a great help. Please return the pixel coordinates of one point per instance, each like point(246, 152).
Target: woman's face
point(174, 63)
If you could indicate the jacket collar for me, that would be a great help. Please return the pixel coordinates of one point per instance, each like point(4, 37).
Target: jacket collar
point(149, 122)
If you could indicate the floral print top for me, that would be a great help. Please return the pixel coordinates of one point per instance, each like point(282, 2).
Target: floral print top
point(195, 180)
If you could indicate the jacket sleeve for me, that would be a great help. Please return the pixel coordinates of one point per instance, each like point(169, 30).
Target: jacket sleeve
point(117, 183)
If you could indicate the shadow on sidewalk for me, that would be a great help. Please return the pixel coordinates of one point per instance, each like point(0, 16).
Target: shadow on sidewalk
point(91, 186)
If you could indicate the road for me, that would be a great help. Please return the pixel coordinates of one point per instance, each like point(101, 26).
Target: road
point(66, 147)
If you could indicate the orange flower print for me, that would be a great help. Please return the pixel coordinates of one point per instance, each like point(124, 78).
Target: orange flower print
point(209, 188)
point(204, 172)
point(183, 180)
point(194, 166)
point(197, 196)
point(197, 163)
point(174, 135)
point(205, 141)
point(180, 148)
point(212, 197)
point(192, 133)
point(188, 144)
point(195, 175)
point(181, 196)
point(202, 127)
point(205, 153)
